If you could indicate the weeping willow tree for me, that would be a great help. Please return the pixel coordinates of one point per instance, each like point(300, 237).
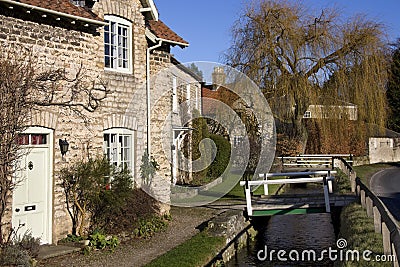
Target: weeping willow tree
point(302, 60)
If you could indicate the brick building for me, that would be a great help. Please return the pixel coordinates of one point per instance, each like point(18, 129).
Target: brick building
point(120, 42)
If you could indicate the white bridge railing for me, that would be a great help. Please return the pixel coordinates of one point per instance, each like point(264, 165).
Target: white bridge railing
point(313, 160)
point(326, 179)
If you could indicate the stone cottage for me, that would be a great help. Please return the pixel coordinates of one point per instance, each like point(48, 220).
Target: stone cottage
point(118, 42)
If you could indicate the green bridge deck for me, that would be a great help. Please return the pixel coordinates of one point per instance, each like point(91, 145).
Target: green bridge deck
point(296, 204)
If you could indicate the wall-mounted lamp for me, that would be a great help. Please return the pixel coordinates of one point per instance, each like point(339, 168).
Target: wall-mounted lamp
point(63, 146)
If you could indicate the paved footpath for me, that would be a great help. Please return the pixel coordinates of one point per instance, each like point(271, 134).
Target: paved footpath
point(186, 222)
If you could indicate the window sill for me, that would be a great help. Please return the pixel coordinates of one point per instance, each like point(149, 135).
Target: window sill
point(120, 71)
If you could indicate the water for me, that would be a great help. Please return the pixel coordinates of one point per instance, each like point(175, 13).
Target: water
point(296, 235)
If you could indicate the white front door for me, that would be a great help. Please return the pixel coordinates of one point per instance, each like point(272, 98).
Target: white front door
point(32, 195)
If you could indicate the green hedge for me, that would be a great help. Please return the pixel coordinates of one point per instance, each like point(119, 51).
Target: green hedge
point(221, 161)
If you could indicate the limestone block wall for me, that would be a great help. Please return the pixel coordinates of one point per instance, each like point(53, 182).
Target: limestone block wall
point(56, 46)
point(163, 117)
point(126, 107)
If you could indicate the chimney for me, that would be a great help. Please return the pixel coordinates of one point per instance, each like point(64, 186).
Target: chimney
point(84, 3)
point(218, 77)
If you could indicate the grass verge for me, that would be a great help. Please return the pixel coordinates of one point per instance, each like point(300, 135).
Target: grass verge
point(365, 172)
point(237, 191)
point(358, 229)
point(197, 251)
point(342, 183)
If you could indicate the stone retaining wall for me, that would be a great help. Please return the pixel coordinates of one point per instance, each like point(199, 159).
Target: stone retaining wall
point(237, 231)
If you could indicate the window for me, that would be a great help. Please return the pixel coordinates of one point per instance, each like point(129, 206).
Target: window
point(197, 98)
point(307, 114)
point(174, 95)
point(117, 44)
point(118, 147)
point(32, 139)
point(188, 92)
point(237, 140)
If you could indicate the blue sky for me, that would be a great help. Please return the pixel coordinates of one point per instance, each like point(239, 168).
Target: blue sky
point(206, 24)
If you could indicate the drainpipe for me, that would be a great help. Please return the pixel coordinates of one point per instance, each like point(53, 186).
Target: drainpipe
point(148, 94)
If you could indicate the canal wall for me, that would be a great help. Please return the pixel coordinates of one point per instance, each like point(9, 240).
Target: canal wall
point(235, 229)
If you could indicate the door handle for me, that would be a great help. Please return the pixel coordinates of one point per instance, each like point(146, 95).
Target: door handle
point(17, 210)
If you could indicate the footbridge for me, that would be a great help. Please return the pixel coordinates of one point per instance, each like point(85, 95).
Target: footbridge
point(321, 172)
point(268, 205)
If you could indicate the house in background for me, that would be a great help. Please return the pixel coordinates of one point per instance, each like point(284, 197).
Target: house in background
point(383, 147)
point(175, 93)
point(120, 41)
point(343, 111)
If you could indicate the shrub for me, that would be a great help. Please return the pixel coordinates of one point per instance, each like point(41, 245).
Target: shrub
point(100, 196)
point(148, 227)
point(221, 161)
point(198, 148)
point(70, 238)
point(20, 250)
point(108, 206)
point(13, 255)
point(138, 204)
point(28, 243)
point(83, 183)
point(148, 168)
point(98, 240)
point(96, 192)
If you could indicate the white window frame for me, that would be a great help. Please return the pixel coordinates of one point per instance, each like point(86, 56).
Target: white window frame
point(237, 140)
point(116, 158)
point(188, 92)
point(120, 23)
point(307, 114)
point(197, 98)
point(174, 95)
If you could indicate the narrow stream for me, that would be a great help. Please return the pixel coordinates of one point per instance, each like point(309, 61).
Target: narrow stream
point(298, 237)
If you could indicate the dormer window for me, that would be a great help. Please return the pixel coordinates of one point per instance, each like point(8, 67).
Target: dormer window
point(79, 2)
point(117, 44)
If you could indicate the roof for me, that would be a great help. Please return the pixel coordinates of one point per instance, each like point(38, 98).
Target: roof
point(61, 7)
point(162, 31)
point(149, 9)
point(379, 132)
point(185, 69)
point(207, 106)
point(221, 93)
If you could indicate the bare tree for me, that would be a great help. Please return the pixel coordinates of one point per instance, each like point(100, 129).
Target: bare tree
point(24, 89)
point(292, 54)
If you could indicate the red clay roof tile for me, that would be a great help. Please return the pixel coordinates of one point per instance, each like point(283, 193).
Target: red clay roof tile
point(63, 6)
point(164, 32)
point(208, 108)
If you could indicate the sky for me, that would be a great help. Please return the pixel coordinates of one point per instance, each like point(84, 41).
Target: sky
point(207, 24)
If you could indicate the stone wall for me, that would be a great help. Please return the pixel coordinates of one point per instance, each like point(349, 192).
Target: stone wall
point(164, 118)
point(384, 149)
point(126, 107)
point(236, 230)
point(56, 45)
